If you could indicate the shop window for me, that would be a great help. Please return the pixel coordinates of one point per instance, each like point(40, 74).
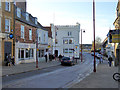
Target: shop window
point(22, 53)
point(31, 53)
point(65, 50)
point(18, 53)
point(27, 53)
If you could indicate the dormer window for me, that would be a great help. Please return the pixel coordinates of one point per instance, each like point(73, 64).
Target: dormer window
point(36, 21)
point(27, 16)
point(19, 12)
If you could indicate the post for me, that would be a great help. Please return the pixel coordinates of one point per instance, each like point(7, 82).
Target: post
point(36, 49)
point(55, 42)
point(81, 45)
point(94, 34)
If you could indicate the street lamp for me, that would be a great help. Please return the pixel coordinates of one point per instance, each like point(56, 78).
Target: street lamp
point(94, 34)
point(55, 40)
point(82, 30)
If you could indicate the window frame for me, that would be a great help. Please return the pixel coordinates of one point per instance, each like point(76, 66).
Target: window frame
point(22, 32)
point(18, 12)
point(7, 8)
point(30, 34)
point(27, 16)
point(7, 25)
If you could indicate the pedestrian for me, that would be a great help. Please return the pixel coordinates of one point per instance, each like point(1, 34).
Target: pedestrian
point(60, 57)
point(46, 56)
point(13, 61)
point(110, 60)
point(9, 60)
point(101, 59)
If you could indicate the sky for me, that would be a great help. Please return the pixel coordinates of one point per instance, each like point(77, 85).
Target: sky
point(69, 12)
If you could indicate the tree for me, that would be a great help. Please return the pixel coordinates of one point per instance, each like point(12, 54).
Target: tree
point(98, 42)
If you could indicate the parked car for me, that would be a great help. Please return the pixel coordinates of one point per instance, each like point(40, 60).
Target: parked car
point(67, 60)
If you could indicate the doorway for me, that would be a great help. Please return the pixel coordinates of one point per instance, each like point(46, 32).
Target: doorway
point(56, 53)
point(7, 49)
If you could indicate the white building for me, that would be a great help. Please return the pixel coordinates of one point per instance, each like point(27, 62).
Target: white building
point(67, 39)
point(42, 42)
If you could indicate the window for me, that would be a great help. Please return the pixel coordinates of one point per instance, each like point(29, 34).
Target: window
point(31, 53)
point(7, 25)
point(19, 53)
point(27, 16)
point(70, 50)
point(0, 24)
point(56, 41)
point(7, 6)
point(30, 34)
point(0, 3)
point(65, 41)
point(36, 21)
point(44, 37)
point(69, 33)
point(56, 33)
point(27, 53)
point(18, 12)
point(39, 39)
point(70, 41)
point(65, 50)
point(22, 53)
point(22, 31)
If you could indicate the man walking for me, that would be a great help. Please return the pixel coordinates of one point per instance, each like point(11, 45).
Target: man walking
point(110, 60)
point(46, 55)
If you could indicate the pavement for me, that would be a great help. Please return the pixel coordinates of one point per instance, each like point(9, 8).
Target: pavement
point(102, 78)
point(27, 67)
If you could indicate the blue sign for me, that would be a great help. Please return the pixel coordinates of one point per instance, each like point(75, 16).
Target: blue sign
point(11, 36)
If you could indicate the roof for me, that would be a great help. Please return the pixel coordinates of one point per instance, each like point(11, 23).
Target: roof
point(31, 21)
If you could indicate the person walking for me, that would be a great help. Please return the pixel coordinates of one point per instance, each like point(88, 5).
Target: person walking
point(13, 61)
point(9, 60)
point(46, 56)
point(110, 60)
point(60, 57)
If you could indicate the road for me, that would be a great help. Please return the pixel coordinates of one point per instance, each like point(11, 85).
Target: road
point(54, 77)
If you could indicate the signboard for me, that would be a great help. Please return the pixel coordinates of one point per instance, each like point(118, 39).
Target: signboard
point(114, 36)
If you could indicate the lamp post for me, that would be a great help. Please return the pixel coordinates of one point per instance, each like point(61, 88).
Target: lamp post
point(37, 48)
point(81, 42)
point(55, 40)
point(94, 34)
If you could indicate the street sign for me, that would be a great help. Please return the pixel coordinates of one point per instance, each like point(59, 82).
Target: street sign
point(114, 36)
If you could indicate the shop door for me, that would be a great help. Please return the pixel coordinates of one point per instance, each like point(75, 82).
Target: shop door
point(7, 49)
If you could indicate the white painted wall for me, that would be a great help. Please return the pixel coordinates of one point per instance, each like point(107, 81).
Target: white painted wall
point(62, 32)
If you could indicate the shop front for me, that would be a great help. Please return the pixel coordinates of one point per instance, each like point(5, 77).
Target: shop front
point(41, 52)
point(25, 53)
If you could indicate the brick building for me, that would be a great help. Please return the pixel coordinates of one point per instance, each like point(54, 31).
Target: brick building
point(6, 28)
point(25, 36)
